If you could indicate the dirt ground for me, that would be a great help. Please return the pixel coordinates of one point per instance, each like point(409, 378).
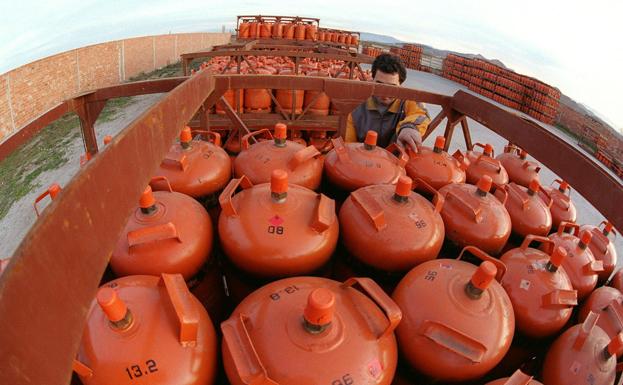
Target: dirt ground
point(20, 217)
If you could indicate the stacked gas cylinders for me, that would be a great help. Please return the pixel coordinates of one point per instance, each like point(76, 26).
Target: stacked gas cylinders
point(266, 254)
point(299, 30)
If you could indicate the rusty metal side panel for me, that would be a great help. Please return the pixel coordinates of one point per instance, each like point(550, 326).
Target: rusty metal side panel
point(135, 88)
point(603, 190)
point(48, 286)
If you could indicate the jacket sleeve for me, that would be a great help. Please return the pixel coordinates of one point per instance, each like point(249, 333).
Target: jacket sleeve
point(351, 134)
point(416, 117)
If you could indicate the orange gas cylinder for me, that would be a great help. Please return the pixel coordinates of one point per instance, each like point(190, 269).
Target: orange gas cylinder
point(518, 378)
point(350, 166)
point(289, 99)
point(311, 32)
point(519, 169)
point(310, 331)
point(275, 229)
point(341, 38)
point(319, 101)
point(243, 30)
point(277, 31)
point(297, 137)
point(354, 40)
point(583, 355)
point(145, 329)
point(53, 190)
point(348, 39)
point(230, 96)
point(266, 30)
point(258, 100)
point(473, 216)
point(581, 265)
point(435, 166)
point(257, 161)
point(288, 31)
point(617, 280)
point(233, 144)
point(254, 30)
point(195, 167)
point(608, 303)
point(328, 36)
point(603, 248)
point(529, 213)
point(539, 288)
point(335, 37)
point(457, 321)
point(299, 32)
point(391, 228)
point(562, 209)
point(168, 233)
point(483, 163)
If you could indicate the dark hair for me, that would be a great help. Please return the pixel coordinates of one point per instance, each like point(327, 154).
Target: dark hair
point(389, 64)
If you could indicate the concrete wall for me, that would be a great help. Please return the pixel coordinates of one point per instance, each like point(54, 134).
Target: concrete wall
point(30, 90)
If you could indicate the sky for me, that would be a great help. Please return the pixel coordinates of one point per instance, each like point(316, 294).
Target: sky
point(573, 45)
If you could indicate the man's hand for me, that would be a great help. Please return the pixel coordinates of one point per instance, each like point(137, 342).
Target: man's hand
point(409, 137)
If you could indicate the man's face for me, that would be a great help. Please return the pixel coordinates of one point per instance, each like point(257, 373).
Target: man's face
point(385, 78)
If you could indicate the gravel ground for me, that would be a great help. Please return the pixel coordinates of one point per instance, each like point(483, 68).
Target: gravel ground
point(14, 226)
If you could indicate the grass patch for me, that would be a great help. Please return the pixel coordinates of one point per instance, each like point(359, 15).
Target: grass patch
point(170, 71)
point(45, 151)
point(113, 107)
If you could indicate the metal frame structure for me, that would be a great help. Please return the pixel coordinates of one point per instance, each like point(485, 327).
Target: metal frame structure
point(47, 288)
point(239, 53)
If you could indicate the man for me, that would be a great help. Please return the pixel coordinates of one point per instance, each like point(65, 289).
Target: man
point(403, 121)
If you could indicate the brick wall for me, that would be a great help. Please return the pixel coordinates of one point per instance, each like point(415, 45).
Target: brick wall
point(30, 90)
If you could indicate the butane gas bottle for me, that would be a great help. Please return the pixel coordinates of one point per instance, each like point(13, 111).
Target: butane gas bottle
point(435, 166)
point(608, 303)
point(310, 331)
point(195, 167)
point(583, 355)
point(350, 166)
point(529, 213)
point(518, 378)
point(147, 329)
point(473, 216)
point(520, 170)
point(392, 228)
point(581, 265)
point(458, 321)
point(603, 248)
point(168, 232)
point(257, 161)
point(276, 229)
point(483, 163)
point(562, 208)
point(539, 288)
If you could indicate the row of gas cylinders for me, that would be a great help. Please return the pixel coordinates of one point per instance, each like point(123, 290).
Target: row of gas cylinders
point(295, 31)
point(287, 101)
point(458, 319)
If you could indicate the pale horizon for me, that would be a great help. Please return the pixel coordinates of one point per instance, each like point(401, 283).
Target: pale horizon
point(569, 45)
